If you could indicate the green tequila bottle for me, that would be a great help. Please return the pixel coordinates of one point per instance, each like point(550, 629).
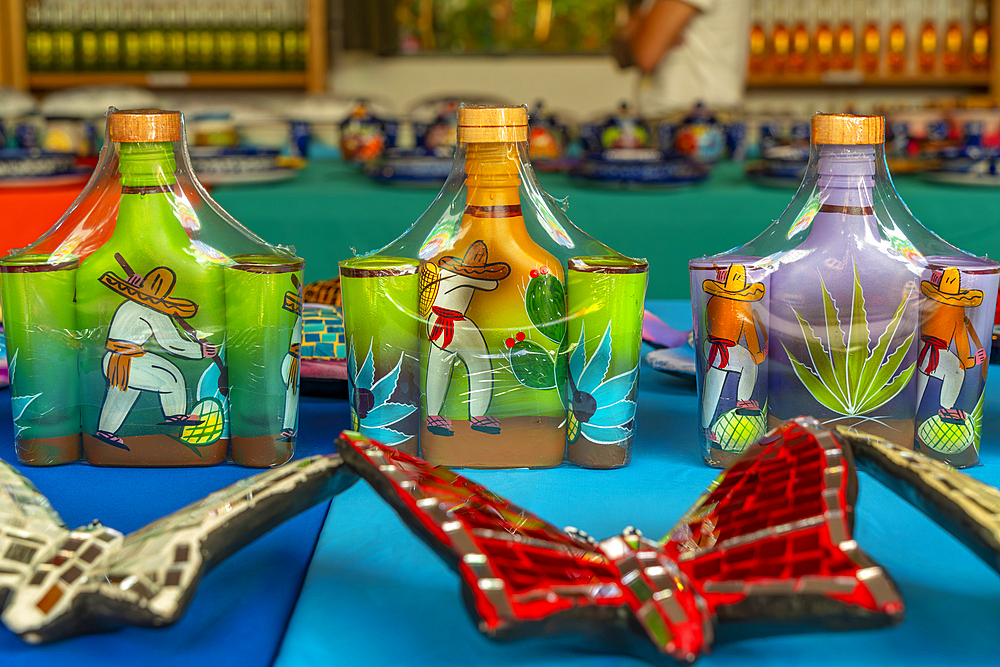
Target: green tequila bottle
point(151, 314)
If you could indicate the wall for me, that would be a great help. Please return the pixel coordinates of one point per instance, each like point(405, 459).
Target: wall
point(582, 86)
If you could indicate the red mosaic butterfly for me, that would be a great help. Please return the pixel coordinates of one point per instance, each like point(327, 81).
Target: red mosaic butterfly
point(769, 542)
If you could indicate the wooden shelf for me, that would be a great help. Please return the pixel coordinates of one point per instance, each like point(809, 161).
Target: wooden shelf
point(14, 63)
point(280, 79)
point(855, 78)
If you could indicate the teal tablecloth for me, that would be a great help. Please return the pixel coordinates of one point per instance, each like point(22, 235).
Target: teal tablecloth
point(376, 595)
point(332, 210)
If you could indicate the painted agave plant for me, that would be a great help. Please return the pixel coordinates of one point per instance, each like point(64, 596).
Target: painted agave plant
point(599, 409)
point(371, 411)
point(841, 372)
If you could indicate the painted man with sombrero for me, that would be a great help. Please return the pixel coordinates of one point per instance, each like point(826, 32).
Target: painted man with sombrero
point(732, 321)
point(943, 320)
point(148, 312)
point(454, 337)
point(290, 365)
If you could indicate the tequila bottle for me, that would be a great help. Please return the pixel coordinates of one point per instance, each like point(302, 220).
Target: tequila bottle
point(979, 44)
point(953, 54)
point(895, 55)
point(927, 48)
point(491, 384)
point(151, 306)
point(758, 38)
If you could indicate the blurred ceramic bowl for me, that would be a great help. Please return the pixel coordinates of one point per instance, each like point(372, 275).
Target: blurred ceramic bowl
point(918, 124)
point(213, 160)
point(976, 125)
point(93, 101)
point(15, 103)
point(265, 134)
point(69, 135)
point(216, 129)
point(18, 163)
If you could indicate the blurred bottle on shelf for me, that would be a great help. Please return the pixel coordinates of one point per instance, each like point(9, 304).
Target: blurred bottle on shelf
point(206, 37)
point(798, 57)
point(38, 39)
point(758, 37)
point(844, 44)
point(927, 47)
point(824, 35)
point(128, 29)
point(246, 39)
point(780, 36)
point(108, 39)
point(86, 37)
point(953, 54)
point(268, 37)
point(62, 36)
point(895, 55)
point(979, 42)
point(300, 23)
point(871, 39)
point(152, 40)
point(224, 27)
point(175, 39)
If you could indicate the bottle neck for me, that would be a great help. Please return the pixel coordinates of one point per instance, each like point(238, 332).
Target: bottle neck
point(846, 185)
point(492, 177)
point(147, 208)
point(146, 165)
point(847, 175)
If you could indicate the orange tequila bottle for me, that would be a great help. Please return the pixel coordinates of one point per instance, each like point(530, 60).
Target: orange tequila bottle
point(780, 38)
point(895, 55)
point(871, 40)
point(476, 295)
point(798, 57)
point(824, 36)
point(844, 44)
point(758, 38)
point(927, 50)
point(952, 56)
point(979, 43)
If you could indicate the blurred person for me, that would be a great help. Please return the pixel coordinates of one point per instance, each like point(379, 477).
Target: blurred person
point(688, 51)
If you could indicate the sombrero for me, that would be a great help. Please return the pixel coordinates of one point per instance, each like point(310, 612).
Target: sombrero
point(474, 265)
point(735, 285)
point(154, 292)
point(948, 290)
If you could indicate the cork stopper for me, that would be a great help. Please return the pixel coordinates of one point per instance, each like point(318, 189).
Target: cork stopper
point(144, 126)
point(845, 129)
point(479, 125)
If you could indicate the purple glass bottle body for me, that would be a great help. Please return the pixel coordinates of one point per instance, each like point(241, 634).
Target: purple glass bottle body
point(873, 322)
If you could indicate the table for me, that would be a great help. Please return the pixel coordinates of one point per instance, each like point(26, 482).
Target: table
point(331, 210)
point(375, 594)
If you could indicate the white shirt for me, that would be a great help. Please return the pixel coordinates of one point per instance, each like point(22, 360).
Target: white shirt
point(708, 65)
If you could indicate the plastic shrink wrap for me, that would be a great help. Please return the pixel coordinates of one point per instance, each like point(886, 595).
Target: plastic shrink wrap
point(147, 327)
point(845, 308)
point(493, 332)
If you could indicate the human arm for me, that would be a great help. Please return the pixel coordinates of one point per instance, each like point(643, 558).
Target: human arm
point(981, 356)
point(754, 344)
point(167, 337)
point(651, 32)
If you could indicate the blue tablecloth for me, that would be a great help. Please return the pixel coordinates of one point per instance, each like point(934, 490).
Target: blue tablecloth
point(239, 613)
point(374, 594)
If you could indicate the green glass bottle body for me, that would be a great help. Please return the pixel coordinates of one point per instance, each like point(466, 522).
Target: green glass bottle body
point(151, 312)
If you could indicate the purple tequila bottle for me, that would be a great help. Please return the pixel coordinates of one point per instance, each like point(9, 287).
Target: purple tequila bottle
point(873, 322)
point(844, 302)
